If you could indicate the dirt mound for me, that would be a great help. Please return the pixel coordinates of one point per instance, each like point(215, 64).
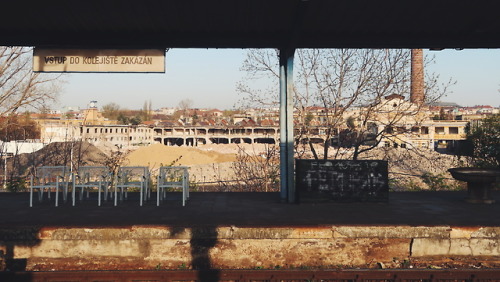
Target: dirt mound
point(157, 155)
point(417, 169)
point(57, 154)
point(413, 161)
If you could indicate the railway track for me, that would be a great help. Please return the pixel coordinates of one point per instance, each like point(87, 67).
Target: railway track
point(364, 275)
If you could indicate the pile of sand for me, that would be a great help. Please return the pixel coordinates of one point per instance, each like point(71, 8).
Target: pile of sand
point(157, 155)
point(213, 163)
point(234, 148)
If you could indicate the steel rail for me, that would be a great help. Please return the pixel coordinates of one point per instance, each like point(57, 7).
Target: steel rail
point(355, 275)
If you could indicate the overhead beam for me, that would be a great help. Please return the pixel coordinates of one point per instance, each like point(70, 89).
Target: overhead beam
point(250, 24)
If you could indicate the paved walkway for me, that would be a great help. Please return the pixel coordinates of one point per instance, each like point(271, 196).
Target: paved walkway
point(252, 209)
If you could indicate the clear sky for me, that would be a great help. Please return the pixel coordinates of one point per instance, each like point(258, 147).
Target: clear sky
point(209, 77)
point(476, 71)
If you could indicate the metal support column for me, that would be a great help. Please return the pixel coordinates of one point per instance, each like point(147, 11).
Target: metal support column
point(287, 184)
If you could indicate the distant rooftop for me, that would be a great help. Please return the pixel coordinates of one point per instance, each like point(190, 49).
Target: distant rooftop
point(445, 104)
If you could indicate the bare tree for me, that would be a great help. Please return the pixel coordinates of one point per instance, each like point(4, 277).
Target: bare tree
point(185, 104)
point(260, 65)
point(257, 171)
point(111, 111)
point(115, 159)
point(20, 87)
point(18, 127)
point(146, 111)
point(359, 95)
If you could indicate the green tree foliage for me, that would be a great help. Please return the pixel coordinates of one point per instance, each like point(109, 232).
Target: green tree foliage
point(484, 138)
point(129, 118)
point(136, 120)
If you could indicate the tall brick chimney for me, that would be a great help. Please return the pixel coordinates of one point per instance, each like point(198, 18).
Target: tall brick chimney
point(417, 76)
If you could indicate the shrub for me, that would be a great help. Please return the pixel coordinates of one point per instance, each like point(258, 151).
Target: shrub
point(16, 184)
point(483, 142)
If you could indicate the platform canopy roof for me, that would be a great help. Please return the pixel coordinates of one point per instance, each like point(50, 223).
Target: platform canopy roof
point(251, 23)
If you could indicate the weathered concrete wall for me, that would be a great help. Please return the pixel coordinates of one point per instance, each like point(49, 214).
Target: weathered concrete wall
point(146, 247)
point(482, 241)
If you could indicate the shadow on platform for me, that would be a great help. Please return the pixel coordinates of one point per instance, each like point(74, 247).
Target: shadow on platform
point(252, 210)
